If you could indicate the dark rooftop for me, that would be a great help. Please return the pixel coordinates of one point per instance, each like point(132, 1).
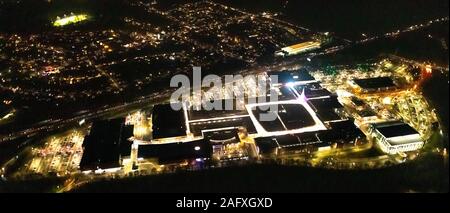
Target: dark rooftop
point(374, 83)
point(286, 94)
point(325, 103)
point(195, 114)
point(357, 101)
point(287, 140)
point(197, 127)
point(313, 93)
point(327, 115)
point(291, 76)
point(176, 152)
point(390, 130)
point(341, 130)
point(105, 144)
point(367, 112)
point(308, 137)
point(293, 116)
point(127, 132)
point(266, 145)
point(312, 90)
point(168, 122)
point(270, 126)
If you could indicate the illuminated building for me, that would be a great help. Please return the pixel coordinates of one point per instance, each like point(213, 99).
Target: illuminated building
point(203, 121)
point(340, 134)
point(367, 85)
point(292, 116)
point(168, 131)
point(308, 118)
point(298, 48)
point(70, 20)
point(395, 137)
point(170, 153)
point(106, 145)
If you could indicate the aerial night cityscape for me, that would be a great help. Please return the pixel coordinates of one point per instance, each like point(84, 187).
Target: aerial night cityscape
point(296, 96)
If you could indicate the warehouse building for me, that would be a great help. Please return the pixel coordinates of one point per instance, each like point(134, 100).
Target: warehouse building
point(298, 48)
point(395, 137)
point(368, 85)
point(106, 145)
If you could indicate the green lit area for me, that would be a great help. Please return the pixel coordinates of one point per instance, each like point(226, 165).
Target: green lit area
point(70, 20)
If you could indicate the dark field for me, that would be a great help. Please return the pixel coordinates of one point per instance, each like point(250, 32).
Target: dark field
point(369, 17)
point(412, 177)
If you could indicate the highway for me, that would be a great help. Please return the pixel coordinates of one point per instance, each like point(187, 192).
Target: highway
point(51, 124)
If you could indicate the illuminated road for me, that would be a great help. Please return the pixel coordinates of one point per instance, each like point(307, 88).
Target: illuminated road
point(107, 75)
point(88, 115)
